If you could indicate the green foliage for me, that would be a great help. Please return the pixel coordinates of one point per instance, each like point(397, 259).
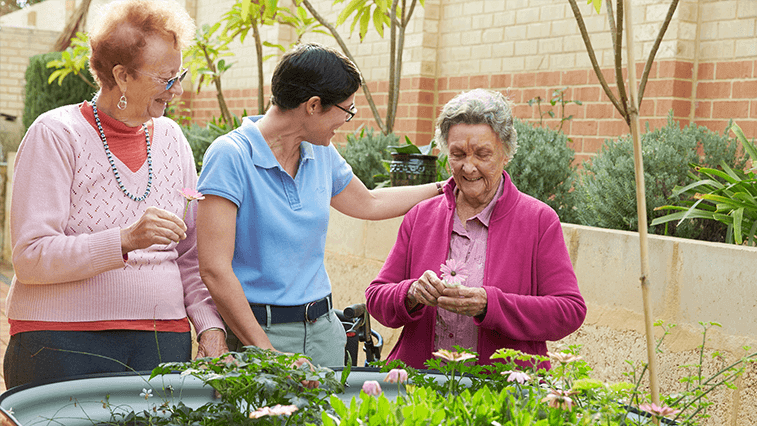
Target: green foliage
point(73, 60)
point(42, 97)
point(245, 382)
point(558, 97)
point(510, 392)
point(606, 196)
point(366, 152)
point(727, 196)
point(204, 56)
point(200, 137)
point(543, 168)
point(246, 15)
point(366, 11)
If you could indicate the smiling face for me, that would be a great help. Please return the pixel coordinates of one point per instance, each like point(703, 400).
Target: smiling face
point(327, 121)
point(477, 158)
point(146, 92)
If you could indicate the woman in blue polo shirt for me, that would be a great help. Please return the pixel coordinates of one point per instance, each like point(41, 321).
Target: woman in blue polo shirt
point(268, 185)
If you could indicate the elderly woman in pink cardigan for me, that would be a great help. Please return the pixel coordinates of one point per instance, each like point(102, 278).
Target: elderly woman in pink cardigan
point(483, 266)
point(104, 246)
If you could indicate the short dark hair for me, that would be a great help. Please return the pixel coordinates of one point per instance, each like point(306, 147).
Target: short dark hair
point(312, 69)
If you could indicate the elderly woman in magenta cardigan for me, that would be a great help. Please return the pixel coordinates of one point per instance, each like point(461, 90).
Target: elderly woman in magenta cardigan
point(505, 248)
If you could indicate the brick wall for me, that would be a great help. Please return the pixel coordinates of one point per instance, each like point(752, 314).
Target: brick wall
point(705, 69)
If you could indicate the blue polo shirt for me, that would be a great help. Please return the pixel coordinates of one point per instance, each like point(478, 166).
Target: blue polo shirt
point(281, 222)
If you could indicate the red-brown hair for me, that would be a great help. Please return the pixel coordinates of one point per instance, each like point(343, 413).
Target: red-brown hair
point(119, 37)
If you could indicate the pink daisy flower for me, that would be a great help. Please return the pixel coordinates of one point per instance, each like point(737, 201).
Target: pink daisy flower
point(453, 273)
point(276, 410)
point(658, 411)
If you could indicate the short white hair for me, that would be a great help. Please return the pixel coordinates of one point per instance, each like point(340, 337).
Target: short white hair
point(479, 106)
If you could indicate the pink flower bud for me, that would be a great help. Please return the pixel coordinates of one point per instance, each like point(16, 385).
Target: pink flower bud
point(396, 375)
point(372, 387)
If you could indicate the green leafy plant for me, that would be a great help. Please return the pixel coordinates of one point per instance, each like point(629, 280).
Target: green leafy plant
point(558, 97)
point(246, 16)
point(41, 96)
point(366, 153)
point(204, 58)
point(441, 168)
point(543, 168)
point(258, 386)
point(393, 14)
point(727, 195)
point(75, 59)
point(606, 195)
point(200, 137)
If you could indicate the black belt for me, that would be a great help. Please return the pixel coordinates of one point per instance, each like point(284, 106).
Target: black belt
point(308, 312)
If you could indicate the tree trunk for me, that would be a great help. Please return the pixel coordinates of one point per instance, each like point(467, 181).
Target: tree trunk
point(261, 81)
point(75, 24)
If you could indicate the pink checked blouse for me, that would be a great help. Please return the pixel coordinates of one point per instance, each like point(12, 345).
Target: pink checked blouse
point(468, 244)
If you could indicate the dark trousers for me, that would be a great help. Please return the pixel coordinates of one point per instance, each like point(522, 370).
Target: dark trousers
point(35, 356)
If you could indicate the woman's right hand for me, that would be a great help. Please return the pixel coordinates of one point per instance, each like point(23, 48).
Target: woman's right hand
point(426, 290)
point(156, 226)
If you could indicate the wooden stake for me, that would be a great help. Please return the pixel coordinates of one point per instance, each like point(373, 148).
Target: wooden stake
point(641, 204)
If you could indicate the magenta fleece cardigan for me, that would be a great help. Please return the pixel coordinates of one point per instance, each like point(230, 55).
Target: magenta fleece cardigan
point(66, 216)
point(530, 285)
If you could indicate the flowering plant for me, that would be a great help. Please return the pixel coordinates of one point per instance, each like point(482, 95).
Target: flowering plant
point(516, 391)
point(190, 195)
point(454, 273)
point(262, 387)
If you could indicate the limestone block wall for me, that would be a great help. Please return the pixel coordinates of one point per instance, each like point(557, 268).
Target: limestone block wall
point(17, 45)
point(691, 281)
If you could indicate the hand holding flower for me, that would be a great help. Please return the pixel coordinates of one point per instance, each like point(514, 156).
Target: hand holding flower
point(464, 300)
point(425, 290)
point(156, 226)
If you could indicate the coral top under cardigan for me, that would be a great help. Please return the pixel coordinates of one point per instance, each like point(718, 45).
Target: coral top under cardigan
point(66, 217)
point(530, 285)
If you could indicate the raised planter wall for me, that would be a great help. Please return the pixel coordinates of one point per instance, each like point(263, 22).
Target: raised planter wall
point(691, 281)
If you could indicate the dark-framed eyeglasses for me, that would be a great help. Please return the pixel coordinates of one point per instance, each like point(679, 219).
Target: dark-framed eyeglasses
point(170, 82)
point(350, 112)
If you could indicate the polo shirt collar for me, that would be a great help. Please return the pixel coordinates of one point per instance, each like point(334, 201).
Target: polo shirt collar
point(262, 156)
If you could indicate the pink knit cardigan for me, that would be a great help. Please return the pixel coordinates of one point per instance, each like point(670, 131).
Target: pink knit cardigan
point(66, 215)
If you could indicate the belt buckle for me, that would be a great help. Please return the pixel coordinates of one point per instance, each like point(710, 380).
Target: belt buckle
point(307, 308)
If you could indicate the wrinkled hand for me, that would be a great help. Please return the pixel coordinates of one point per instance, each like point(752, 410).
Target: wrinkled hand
point(426, 290)
point(463, 300)
point(212, 343)
point(156, 226)
point(310, 384)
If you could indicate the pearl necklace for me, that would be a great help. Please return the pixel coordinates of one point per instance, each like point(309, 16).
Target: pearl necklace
point(113, 163)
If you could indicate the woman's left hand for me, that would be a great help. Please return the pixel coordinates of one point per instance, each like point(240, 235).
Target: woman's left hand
point(463, 300)
point(212, 343)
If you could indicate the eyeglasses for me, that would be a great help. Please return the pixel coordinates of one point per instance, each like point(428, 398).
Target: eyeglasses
point(352, 111)
point(170, 82)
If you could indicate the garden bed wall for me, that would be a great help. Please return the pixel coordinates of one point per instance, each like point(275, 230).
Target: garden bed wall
point(691, 281)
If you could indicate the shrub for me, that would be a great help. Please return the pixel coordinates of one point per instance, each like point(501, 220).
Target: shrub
point(200, 137)
point(42, 97)
point(543, 168)
point(366, 152)
point(606, 196)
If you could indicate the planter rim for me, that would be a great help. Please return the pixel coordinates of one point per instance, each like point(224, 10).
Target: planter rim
point(400, 155)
